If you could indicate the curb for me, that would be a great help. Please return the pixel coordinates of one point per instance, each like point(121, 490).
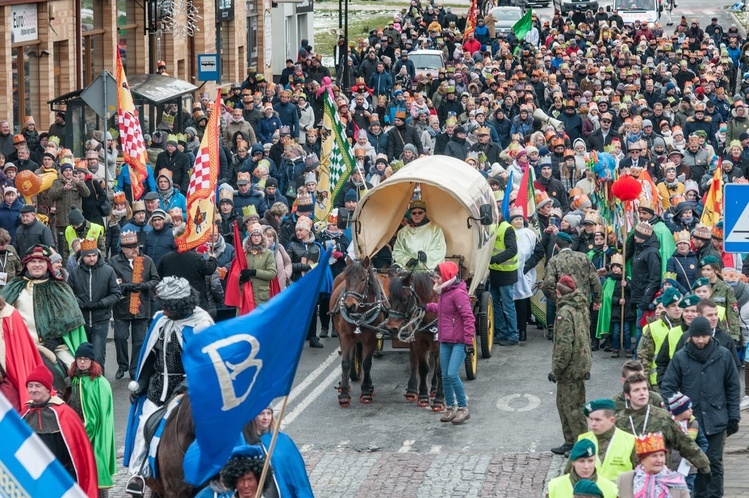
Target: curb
point(736, 21)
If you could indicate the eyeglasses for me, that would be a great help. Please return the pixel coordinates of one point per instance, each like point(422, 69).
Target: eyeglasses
point(635, 150)
point(605, 121)
point(418, 213)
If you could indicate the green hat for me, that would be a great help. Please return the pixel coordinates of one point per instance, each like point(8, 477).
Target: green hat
point(564, 236)
point(586, 487)
point(689, 300)
point(584, 448)
point(598, 404)
point(669, 297)
point(710, 260)
point(450, 89)
point(701, 133)
point(700, 282)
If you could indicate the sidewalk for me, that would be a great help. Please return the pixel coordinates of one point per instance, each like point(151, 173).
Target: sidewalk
point(736, 460)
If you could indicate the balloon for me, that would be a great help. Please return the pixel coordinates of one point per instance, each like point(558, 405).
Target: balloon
point(30, 184)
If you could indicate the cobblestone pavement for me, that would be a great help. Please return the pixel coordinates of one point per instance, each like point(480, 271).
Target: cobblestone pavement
point(339, 474)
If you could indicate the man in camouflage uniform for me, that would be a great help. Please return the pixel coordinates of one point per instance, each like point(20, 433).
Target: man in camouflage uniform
point(631, 367)
point(722, 294)
point(641, 418)
point(576, 265)
point(570, 359)
point(658, 333)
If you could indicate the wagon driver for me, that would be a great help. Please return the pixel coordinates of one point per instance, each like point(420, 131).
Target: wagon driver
point(420, 245)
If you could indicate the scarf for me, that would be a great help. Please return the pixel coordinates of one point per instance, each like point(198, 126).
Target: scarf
point(331, 235)
point(701, 355)
point(134, 304)
point(219, 246)
point(432, 132)
point(439, 288)
point(656, 485)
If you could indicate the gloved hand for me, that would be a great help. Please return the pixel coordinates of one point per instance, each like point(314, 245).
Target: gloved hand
point(97, 306)
point(733, 427)
point(469, 349)
point(143, 287)
point(134, 398)
point(705, 471)
point(552, 378)
point(52, 344)
point(85, 306)
point(495, 260)
point(422, 256)
point(587, 376)
point(643, 306)
point(246, 275)
point(411, 263)
point(127, 287)
point(337, 255)
point(305, 267)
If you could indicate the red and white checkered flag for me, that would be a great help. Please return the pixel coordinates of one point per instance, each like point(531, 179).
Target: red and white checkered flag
point(131, 135)
point(201, 193)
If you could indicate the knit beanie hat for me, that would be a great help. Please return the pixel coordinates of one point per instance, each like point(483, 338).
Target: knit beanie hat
point(85, 350)
point(700, 327)
point(679, 403)
point(42, 376)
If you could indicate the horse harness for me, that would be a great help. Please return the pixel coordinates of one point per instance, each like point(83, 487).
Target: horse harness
point(367, 317)
point(413, 317)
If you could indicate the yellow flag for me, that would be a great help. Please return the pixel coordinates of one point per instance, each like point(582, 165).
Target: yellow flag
point(713, 211)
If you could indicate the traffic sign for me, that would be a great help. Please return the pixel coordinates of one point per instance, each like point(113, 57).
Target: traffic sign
point(101, 95)
point(208, 67)
point(736, 218)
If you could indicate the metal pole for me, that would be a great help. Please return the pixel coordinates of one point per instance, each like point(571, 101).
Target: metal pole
point(104, 75)
point(344, 61)
point(272, 446)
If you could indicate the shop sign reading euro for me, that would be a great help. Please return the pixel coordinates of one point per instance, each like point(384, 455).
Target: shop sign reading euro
point(23, 22)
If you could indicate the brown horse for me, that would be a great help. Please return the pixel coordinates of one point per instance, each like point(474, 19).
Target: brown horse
point(357, 308)
point(179, 433)
point(408, 321)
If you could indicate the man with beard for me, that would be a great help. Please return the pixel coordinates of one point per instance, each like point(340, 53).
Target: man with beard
point(400, 135)
point(702, 243)
point(705, 372)
point(160, 368)
point(486, 146)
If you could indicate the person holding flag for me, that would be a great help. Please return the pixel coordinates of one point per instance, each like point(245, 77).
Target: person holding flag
point(131, 135)
point(160, 369)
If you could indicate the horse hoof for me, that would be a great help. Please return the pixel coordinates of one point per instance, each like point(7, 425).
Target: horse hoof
point(423, 403)
point(365, 399)
point(344, 402)
point(411, 396)
point(438, 407)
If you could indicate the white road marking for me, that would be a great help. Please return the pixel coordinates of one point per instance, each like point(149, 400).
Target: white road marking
point(533, 447)
point(406, 446)
point(298, 409)
point(306, 447)
point(310, 378)
point(532, 402)
point(435, 449)
point(342, 445)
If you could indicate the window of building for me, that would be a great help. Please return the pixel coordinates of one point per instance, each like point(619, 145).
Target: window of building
point(26, 84)
point(252, 35)
point(92, 41)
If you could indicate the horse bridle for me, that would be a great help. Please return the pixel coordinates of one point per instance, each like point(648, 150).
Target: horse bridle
point(413, 317)
point(365, 318)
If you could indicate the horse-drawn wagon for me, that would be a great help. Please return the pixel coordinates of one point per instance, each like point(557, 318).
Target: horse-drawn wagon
point(462, 203)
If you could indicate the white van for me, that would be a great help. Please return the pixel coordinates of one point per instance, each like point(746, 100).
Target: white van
point(645, 11)
point(427, 61)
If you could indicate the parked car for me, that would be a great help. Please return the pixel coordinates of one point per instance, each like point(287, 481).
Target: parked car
point(427, 61)
point(566, 6)
point(506, 17)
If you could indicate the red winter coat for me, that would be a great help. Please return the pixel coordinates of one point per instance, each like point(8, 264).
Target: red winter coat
point(455, 320)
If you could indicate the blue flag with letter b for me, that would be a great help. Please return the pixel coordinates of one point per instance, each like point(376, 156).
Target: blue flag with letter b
point(236, 368)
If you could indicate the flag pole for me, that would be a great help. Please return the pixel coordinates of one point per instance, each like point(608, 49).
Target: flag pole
point(269, 454)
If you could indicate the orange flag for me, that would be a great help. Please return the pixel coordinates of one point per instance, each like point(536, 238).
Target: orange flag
point(131, 135)
point(201, 194)
point(713, 201)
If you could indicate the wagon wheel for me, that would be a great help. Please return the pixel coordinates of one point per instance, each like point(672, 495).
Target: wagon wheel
point(485, 324)
point(356, 361)
point(380, 347)
point(472, 362)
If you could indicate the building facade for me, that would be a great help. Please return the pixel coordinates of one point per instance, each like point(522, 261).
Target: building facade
point(53, 47)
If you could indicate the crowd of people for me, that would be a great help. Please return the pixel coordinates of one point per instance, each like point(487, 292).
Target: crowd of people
point(668, 106)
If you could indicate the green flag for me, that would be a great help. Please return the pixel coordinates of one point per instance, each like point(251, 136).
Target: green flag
point(524, 25)
point(336, 159)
